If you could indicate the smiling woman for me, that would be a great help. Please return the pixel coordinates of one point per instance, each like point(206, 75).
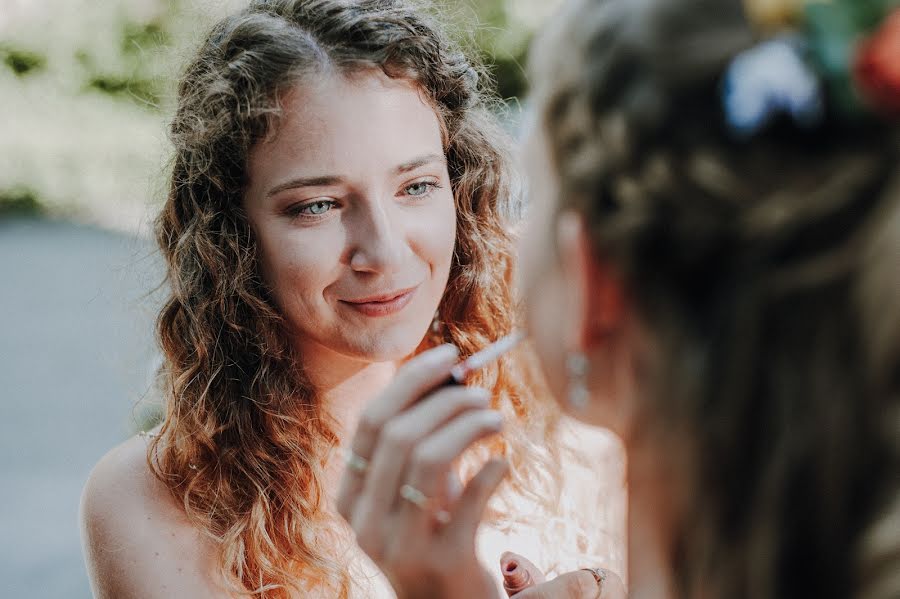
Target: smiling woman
point(338, 204)
point(354, 216)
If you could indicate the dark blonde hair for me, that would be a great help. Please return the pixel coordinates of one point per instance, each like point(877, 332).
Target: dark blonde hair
point(768, 272)
point(245, 440)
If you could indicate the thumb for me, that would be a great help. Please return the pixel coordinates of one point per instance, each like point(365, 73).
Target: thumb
point(519, 573)
point(572, 585)
point(580, 584)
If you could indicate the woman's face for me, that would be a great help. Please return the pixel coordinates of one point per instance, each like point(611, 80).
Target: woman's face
point(540, 279)
point(352, 208)
point(574, 303)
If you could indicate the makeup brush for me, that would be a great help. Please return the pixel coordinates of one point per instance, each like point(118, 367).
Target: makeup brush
point(482, 358)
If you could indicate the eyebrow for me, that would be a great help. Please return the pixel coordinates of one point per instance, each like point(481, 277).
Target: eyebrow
point(421, 161)
point(326, 180)
point(323, 181)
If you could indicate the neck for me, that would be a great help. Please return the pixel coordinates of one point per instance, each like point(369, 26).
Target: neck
point(344, 386)
point(650, 529)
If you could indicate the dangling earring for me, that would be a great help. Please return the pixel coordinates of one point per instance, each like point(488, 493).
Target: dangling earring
point(577, 367)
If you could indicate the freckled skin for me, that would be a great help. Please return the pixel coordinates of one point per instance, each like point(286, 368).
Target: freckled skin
point(372, 231)
point(381, 231)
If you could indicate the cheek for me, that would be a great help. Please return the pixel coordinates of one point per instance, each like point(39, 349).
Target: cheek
point(434, 236)
point(297, 266)
point(543, 301)
point(539, 284)
point(528, 263)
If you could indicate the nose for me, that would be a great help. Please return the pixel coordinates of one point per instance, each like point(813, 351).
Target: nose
point(379, 240)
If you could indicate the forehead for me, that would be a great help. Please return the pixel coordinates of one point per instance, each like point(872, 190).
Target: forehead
point(364, 116)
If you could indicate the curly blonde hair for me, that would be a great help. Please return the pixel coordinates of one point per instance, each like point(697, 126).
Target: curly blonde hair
point(767, 271)
point(244, 441)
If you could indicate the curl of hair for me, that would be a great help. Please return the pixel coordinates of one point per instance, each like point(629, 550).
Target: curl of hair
point(767, 273)
point(244, 441)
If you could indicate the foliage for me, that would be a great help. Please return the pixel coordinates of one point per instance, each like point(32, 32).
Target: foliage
point(21, 62)
point(19, 201)
point(836, 30)
point(91, 85)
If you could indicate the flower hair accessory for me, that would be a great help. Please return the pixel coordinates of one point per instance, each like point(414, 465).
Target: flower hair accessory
point(877, 68)
point(767, 81)
point(839, 57)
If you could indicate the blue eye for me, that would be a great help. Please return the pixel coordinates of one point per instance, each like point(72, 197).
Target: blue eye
point(420, 188)
point(316, 208)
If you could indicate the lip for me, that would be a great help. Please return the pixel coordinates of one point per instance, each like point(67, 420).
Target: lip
point(383, 304)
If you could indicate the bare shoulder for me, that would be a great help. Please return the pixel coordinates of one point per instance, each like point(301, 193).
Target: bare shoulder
point(137, 540)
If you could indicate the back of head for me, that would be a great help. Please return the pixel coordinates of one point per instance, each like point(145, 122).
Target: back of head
point(737, 163)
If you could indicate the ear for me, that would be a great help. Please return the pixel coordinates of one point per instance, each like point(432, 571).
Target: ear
point(594, 295)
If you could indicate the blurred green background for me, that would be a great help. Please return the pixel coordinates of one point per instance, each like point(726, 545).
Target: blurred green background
point(86, 91)
point(86, 88)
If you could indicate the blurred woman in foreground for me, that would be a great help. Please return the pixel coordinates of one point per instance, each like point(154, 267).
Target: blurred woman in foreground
point(722, 226)
point(713, 272)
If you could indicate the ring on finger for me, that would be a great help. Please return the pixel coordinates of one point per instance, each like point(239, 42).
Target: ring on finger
point(599, 575)
point(424, 502)
point(355, 462)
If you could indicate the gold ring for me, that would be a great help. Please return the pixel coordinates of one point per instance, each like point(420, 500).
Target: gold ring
point(424, 502)
point(356, 462)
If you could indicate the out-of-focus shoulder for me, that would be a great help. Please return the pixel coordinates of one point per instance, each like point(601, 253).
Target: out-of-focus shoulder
point(594, 492)
point(137, 540)
point(591, 446)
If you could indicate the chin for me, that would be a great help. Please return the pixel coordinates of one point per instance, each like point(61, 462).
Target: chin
point(387, 345)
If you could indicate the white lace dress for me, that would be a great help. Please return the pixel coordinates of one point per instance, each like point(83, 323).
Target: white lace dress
point(587, 530)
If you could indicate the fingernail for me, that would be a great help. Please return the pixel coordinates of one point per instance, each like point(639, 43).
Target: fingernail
point(515, 579)
point(443, 354)
point(447, 351)
point(495, 419)
point(507, 557)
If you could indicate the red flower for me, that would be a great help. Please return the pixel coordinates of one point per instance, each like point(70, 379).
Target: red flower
point(877, 69)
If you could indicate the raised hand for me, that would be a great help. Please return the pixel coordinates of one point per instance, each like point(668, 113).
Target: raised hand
point(395, 492)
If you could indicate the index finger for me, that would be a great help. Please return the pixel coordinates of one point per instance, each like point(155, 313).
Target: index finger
point(418, 376)
point(415, 378)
